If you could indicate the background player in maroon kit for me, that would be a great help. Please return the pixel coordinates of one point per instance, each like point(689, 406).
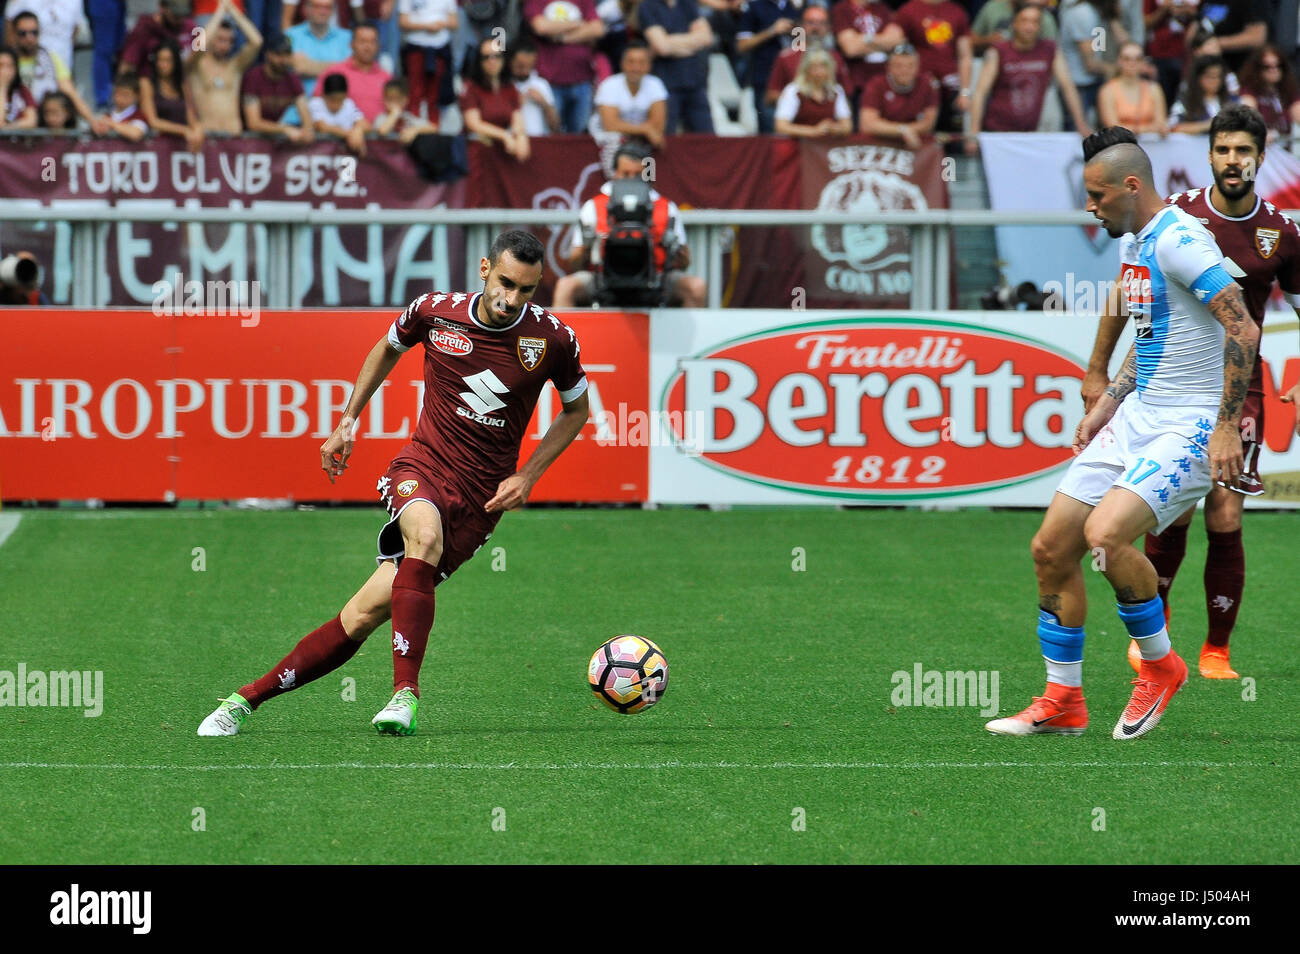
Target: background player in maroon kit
point(1259, 244)
point(487, 357)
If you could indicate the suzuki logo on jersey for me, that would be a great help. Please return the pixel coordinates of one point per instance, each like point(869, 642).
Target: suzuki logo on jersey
point(450, 342)
point(482, 398)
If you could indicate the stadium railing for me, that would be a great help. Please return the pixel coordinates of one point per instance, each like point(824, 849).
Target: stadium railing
point(709, 234)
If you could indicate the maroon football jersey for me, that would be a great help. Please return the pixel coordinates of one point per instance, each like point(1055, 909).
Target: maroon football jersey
point(1263, 245)
point(481, 384)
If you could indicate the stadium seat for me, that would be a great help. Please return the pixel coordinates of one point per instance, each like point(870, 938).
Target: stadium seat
point(726, 97)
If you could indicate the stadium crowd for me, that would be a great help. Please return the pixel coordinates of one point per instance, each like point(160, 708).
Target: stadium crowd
point(508, 70)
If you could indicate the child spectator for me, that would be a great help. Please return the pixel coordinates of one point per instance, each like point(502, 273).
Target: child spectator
point(396, 119)
point(427, 27)
point(814, 105)
point(165, 99)
point(56, 113)
point(491, 107)
point(124, 117)
point(366, 78)
point(333, 113)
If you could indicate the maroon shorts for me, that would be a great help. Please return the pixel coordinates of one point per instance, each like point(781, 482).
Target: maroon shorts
point(466, 526)
point(1252, 439)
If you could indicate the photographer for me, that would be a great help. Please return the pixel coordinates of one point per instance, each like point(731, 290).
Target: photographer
point(661, 280)
point(20, 280)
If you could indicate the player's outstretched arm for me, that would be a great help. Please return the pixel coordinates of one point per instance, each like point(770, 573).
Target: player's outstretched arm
point(1104, 406)
point(334, 453)
point(1114, 314)
point(512, 493)
point(1240, 345)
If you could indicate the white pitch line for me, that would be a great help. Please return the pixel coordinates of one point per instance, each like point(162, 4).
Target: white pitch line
point(8, 524)
point(604, 766)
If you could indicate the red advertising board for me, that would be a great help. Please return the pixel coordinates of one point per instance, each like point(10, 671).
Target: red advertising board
point(125, 405)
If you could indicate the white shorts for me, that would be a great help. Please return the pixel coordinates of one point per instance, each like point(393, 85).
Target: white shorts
point(1161, 453)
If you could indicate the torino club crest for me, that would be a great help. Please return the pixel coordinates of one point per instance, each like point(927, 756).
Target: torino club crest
point(531, 351)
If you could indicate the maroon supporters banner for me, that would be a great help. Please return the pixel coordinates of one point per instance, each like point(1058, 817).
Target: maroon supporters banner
point(351, 265)
point(849, 265)
point(856, 266)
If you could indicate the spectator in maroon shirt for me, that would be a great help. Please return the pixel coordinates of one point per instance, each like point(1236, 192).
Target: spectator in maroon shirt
point(274, 100)
point(1167, 23)
point(1269, 86)
point(17, 107)
point(940, 31)
point(903, 103)
point(814, 105)
point(865, 33)
point(171, 22)
point(816, 24)
point(567, 31)
point(1015, 78)
point(490, 104)
point(165, 99)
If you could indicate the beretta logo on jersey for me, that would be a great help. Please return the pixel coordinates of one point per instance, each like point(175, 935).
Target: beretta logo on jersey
point(882, 409)
point(450, 342)
point(1266, 241)
point(531, 351)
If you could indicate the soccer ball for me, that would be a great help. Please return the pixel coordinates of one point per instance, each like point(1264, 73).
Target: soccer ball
point(628, 673)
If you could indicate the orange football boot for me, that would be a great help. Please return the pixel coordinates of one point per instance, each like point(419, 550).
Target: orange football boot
point(1060, 710)
point(1155, 685)
point(1214, 663)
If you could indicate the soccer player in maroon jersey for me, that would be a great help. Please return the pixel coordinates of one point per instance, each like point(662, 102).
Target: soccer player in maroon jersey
point(1259, 245)
point(486, 358)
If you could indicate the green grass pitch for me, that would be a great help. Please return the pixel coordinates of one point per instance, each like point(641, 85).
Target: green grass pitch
point(776, 741)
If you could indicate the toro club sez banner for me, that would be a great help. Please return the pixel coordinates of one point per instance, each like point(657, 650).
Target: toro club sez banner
point(126, 406)
point(346, 265)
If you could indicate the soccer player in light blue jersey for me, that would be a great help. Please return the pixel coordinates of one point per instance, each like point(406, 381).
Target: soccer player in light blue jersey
point(1164, 430)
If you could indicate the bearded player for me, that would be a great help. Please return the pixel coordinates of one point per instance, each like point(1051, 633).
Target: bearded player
point(1163, 430)
point(486, 358)
point(1259, 245)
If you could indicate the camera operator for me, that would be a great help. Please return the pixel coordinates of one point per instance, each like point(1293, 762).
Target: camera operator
point(665, 281)
point(20, 280)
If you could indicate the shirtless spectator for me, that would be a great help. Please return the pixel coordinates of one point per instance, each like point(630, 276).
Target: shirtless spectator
point(274, 101)
point(215, 74)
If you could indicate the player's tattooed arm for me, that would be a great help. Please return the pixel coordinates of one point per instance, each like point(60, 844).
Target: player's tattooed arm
point(1114, 316)
point(1126, 380)
point(1240, 345)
